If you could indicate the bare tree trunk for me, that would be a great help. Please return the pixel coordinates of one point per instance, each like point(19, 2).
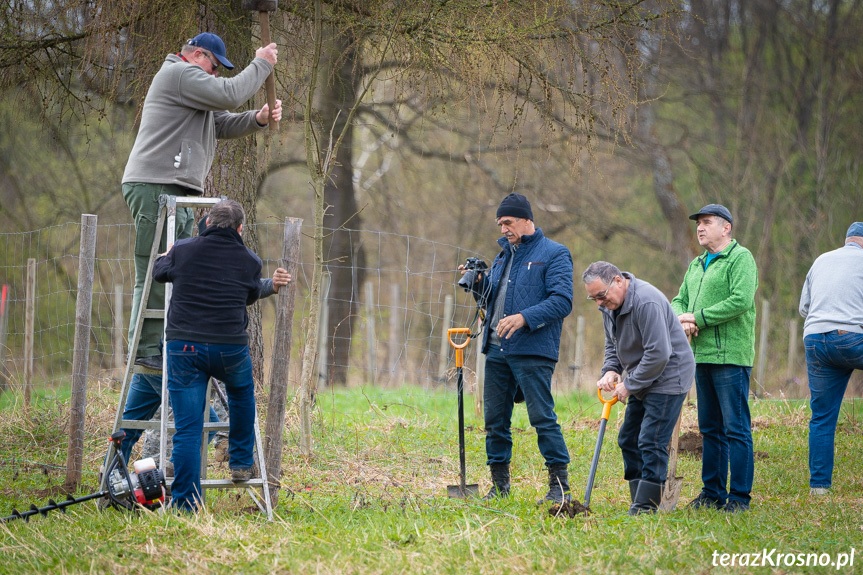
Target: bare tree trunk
point(683, 243)
point(343, 255)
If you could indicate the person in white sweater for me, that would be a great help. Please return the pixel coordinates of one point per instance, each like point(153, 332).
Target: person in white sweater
point(185, 112)
point(832, 303)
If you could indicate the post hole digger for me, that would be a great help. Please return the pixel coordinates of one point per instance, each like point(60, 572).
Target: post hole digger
point(145, 487)
point(462, 490)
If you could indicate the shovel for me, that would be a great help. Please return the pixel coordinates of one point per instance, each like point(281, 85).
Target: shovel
point(606, 411)
point(673, 483)
point(460, 491)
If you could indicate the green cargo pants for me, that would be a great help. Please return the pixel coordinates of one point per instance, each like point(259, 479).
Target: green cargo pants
point(143, 201)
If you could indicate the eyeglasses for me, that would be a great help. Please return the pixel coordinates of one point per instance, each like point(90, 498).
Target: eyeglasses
point(213, 62)
point(603, 295)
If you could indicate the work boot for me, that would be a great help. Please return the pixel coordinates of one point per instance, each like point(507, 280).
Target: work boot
point(704, 501)
point(499, 481)
point(647, 498)
point(558, 485)
point(153, 363)
point(633, 489)
point(240, 475)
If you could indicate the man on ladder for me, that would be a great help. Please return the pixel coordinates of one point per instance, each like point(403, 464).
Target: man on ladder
point(214, 276)
point(184, 113)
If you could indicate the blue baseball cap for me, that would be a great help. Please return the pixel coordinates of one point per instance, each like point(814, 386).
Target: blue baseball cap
point(214, 44)
point(856, 229)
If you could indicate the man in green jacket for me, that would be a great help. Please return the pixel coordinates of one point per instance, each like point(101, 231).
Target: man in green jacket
point(185, 111)
point(716, 306)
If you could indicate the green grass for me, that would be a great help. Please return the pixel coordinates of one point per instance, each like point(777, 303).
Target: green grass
point(373, 500)
point(12, 399)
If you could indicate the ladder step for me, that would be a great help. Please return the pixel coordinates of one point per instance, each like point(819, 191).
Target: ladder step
point(138, 424)
point(196, 201)
point(154, 313)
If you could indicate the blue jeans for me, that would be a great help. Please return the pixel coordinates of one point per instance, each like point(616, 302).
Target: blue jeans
point(830, 359)
point(533, 376)
point(144, 399)
point(725, 424)
point(645, 433)
point(190, 366)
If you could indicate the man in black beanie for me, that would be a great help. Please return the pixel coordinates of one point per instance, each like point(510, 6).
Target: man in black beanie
point(528, 292)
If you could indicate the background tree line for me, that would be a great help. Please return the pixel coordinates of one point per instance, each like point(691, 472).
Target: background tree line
point(617, 119)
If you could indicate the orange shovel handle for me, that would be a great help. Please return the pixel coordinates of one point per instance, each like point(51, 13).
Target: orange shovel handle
point(607, 403)
point(459, 347)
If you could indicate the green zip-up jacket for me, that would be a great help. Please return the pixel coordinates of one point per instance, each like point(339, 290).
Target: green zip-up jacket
point(722, 298)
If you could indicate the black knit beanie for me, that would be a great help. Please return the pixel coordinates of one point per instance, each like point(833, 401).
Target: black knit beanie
point(516, 206)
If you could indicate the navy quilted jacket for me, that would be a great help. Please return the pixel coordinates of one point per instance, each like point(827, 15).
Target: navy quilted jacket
point(540, 289)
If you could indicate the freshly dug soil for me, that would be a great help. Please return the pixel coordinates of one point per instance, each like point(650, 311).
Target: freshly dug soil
point(569, 509)
point(691, 443)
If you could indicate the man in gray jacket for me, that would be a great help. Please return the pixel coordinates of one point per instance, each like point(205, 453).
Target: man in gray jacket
point(832, 303)
point(184, 113)
point(644, 337)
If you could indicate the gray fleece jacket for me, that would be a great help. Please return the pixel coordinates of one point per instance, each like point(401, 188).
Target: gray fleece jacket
point(644, 337)
point(832, 296)
point(184, 113)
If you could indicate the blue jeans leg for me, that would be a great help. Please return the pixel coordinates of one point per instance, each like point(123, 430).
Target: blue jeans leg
point(187, 385)
point(498, 396)
point(645, 433)
point(726, 427)
point(533, 376)
point(232, 364)
point(144, 399)
point(830, 359)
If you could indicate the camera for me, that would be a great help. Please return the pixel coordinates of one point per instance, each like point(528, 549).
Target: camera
point(473, 267)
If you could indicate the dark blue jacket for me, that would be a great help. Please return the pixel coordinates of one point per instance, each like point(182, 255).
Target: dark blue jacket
point(215, 277)
point(540, 289)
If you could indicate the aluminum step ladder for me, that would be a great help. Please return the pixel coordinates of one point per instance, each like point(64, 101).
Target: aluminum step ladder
point(167, 215)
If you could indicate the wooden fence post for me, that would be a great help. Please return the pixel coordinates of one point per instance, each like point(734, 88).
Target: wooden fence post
point(371, 344)
point(579, 352)
point(791, 370)
point(395, 337)
point(446, 323)
point(119, 341)
point(281, 358)
point(29, 329)
point(323, 322)
point(762, 346)
point(81, 353)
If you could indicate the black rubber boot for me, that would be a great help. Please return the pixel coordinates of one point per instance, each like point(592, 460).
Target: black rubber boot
point(499, 481)
point(633, 489)
point(647, 498)
point(558, 485)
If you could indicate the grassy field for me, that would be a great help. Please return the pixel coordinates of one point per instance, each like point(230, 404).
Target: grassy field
point(373, 500)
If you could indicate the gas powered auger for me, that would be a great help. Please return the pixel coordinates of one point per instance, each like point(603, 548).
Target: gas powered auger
point(145, 487)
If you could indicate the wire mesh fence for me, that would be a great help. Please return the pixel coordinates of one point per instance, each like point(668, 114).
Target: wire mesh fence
point(388, 299)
